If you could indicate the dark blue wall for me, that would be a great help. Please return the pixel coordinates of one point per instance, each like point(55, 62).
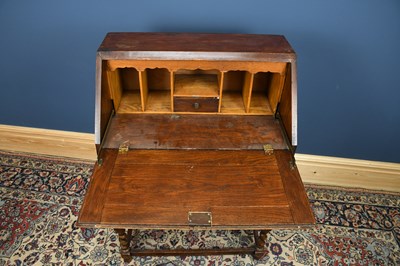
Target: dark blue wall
point(348, 54)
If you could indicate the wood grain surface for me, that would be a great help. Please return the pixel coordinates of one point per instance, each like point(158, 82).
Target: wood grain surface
point(158, 188)
point(246, 43)
point(173, 131)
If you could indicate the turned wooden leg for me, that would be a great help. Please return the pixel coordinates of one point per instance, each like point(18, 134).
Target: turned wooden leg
point(124, 241)
point(259, 238)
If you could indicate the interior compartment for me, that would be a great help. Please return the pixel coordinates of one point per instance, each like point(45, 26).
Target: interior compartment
point(196, 83)
point(261, 86)
point(124, 87)
point(156, 90)
point(134, 91)
point(266, 92)
point(235, 91)
point(130, 101)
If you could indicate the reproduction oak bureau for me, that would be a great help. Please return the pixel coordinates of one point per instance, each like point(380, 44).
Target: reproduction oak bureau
point(195, 132)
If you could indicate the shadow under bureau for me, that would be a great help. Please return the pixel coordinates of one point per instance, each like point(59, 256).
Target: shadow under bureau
point(194, 132)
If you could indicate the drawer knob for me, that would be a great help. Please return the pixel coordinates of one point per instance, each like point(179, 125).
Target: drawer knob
point(196, 105)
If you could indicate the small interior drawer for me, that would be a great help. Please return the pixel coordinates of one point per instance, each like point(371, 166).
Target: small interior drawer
point(196, 104)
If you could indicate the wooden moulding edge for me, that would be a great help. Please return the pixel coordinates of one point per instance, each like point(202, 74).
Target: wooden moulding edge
point(48, 142)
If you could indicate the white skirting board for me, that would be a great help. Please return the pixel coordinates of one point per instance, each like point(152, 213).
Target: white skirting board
point(321, 170)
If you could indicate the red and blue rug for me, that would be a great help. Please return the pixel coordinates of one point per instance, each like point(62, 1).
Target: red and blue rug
point(40, 199)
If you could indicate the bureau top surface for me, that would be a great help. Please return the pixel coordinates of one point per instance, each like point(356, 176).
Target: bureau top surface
point(196, 43)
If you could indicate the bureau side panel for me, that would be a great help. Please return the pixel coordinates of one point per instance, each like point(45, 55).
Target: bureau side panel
point(103, 101)
point(288, 104)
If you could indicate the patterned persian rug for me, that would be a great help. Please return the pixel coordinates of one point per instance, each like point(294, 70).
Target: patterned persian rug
point(40, 199)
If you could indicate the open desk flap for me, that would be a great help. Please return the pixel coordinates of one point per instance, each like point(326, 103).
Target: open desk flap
point(188, 188)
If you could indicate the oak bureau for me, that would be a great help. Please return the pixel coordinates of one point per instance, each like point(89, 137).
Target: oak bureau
point(195, 132)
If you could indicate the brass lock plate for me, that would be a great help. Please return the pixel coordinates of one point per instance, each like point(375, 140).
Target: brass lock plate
point(200, 218)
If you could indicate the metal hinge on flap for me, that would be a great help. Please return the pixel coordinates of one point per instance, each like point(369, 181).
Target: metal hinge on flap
point(268, 149)
point(123, 148)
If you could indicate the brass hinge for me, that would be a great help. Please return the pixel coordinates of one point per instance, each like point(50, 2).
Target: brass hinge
point(292, 163)
point(268, 149)
point(123, 148)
